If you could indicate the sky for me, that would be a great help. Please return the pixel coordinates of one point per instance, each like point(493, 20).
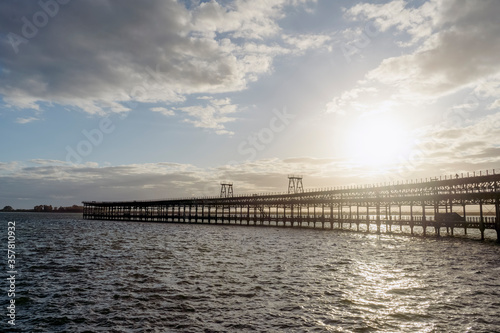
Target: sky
point(138, 100)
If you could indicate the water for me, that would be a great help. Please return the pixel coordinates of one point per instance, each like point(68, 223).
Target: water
point(96, 276)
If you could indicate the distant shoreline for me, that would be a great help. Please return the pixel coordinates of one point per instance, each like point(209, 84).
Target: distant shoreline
point(44, 209)
point(34, 211)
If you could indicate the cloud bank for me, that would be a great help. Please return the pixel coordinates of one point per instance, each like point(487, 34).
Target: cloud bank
point(26, 184)
point(107, 56)
point(447, 45)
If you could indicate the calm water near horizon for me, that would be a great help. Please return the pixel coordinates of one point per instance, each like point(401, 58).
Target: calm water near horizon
point(105, 276)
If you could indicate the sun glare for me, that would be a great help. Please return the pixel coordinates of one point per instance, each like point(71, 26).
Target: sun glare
point(377, 141)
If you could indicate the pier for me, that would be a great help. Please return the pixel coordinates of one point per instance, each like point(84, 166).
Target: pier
point(430, 207)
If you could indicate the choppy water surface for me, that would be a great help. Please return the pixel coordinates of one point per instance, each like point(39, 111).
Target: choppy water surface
point(95, 276)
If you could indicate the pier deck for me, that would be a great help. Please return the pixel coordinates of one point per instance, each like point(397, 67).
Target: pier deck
point(467, 201)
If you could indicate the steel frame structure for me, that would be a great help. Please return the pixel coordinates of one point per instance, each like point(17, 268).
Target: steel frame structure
point(226, 190)
point(371, 206)
point(295, 184)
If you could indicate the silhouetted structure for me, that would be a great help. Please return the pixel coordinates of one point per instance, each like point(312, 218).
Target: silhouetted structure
point(295, 184)
point(226, 190)
point(369, 205)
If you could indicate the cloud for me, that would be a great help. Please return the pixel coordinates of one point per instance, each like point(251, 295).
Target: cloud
point(474, 145)
point(494, 105)
point(26, 120)
point(461, 48)
point(107, 56)
point(350, 100)
point(416, 22)
point(247, 19)
point(25, 184)
point(40, 161)
point(213, 114)
point(310, 41)
point(42, 181)
point(163, 111)
point(447, 47)
point(309, 160)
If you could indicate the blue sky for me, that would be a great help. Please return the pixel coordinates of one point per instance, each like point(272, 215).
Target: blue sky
point(126, 100)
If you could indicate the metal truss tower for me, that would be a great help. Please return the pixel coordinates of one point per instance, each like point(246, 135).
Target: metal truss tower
point(295, 184)
point(226, 190)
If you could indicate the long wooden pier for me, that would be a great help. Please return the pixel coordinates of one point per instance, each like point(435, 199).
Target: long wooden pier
point(419, 206)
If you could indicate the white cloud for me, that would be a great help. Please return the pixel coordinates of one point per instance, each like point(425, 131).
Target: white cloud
point(165, 54)
point(213, 114)
point(351, 100)
point(26, 120)
point(243, 19)
point(440, 151)
point(455, 45)
point(487, 90)
point(56, 183)
point(159, 51)
point(463, 50)
point(163, 111)
point(307, 42)
point(417, 22)
point(474, 145)
point(40, 161)
point(494, 105)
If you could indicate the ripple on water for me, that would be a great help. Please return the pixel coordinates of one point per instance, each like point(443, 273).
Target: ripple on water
point(87, 276)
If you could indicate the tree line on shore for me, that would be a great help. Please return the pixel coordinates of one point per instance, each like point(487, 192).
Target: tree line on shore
point(46, 209)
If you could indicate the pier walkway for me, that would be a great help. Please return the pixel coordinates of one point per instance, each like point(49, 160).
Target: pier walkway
point(425, 206)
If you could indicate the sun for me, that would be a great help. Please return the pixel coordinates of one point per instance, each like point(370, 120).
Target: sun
point(378, 141)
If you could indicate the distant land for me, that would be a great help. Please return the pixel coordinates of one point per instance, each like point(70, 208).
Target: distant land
point(46, 209)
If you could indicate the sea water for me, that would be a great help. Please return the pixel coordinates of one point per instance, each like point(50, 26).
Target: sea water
point(103, 276)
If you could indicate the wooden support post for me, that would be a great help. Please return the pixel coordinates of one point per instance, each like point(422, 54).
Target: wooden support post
point(424, 219)
point(341, 216)
point(284, 215)
point(314, 216)
point(378, 217)
point(322, 216)
point(367, 218)
point(350, 216)
point(481, 220)
point(331, 216)
point(357, 217)
point(269, 216)
point(497, 218)
point(196, 216)
point(465, 220)
point(389, 220)
point(255, 215)
point(400, 219)
point(241, 214)
point(308, 215)
point(411, 218)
